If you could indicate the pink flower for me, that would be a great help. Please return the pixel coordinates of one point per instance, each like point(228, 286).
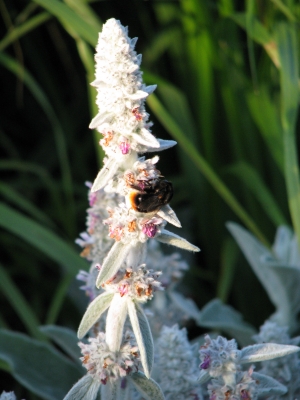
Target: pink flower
point(124, 147)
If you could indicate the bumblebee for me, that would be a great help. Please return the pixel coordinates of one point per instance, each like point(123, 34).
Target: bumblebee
point(153, 196)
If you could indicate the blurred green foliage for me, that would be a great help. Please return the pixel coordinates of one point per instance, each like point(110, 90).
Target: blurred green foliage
point(228, 90)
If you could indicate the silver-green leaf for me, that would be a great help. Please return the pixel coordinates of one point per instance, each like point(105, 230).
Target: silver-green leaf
point(105, 174)
point(163, 145)
point(142, 334)
point(266, 351)
point(113, 262)
point(85, 389)
point(169, 215)
point(267, 386)
point(149, 389)
point(94, 312)
point(175, 240)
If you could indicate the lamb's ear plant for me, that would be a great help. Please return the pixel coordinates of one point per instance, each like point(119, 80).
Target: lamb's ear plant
point(136, 196)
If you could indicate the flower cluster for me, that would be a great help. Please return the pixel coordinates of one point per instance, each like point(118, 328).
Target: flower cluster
point(126, 226)
point(106, 365)
point(95, 242)
point(89, 281)
point(245, 388)
point(219, 356)
point(122, 118)
point(8, 396)
point(177, 369)
point(139, 284)
point(222, 361)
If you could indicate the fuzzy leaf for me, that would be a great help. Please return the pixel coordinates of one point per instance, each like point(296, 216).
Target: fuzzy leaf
point(105, 174)
point(282, 245)
point(139, 94)
point(112, 262)
point(43, 239)
point(290, 278)
point(266, 351)
point(100, 119)
point(85, 389)
point(146, 138)
point(65, 338)
point(115, 320)
point(148, 388)
point(169, 215)
point(279, 281)
point(109, 391)
point(256, 253)
point(188, 306)
point(175, 240)
point(94, 311)
point(137, 256)
point(203, 377)
point(37, 366)
point(218, 316)
point(163, 145)
point(150, 89)
point(142, 334)
point(267, 386)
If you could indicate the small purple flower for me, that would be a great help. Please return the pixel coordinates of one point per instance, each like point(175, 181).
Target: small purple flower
point(206, 362)
point(245, 395)
point(103, 378)
point(142, 184)
point(213, 396)
point(92, 198)
point(150, 230)
point(124, 147)
point(85, 277)
point(123, 289)
point(98, 266)
point(123, 383)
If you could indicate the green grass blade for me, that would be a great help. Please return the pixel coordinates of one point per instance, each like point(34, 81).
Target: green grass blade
point(249, 176)
point(259, 34)
point(38, 366)
point(254, 28)
point(289, 75)
point(43, 175)
point(285, 10)
point(173, 128)
point(19, 304)
point(70, 19)
point(58, 132)
point(225, 7)
point(176, 103)
point(41, 238)
point(249, 27)
point(58, 299)
point(229, 253)
point(23, 29)
point(83, 9)
point(268, 123)
point(198, 36)
point(24, 204)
